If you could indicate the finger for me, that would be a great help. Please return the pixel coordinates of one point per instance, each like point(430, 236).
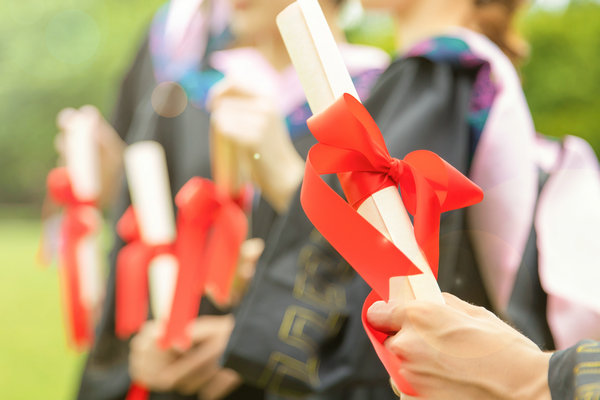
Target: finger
point(222, 384)
point(229, 87)
point(195, 367)
point(386, 317)
point(194, 382)
point(206, 326)
point(238, 123)
point(90, 111)
point(251, 249)
point(64, 116)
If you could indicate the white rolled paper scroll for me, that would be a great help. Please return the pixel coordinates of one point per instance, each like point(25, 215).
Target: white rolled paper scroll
point(325, 78)
point(83, 167)
point(146, 170)
point(82, 159)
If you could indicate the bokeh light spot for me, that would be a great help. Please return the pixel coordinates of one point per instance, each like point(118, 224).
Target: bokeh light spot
point(169, 99)
point(72, 36)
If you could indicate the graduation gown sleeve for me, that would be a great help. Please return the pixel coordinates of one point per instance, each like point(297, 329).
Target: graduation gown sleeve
point(574, 373)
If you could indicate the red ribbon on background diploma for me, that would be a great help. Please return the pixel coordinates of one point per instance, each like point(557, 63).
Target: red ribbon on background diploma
point(351, 145)
point(210, 231)
point(133, 261)
point(76, 224)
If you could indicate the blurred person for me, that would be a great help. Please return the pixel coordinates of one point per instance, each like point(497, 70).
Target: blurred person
point(459, 351)
point(153, 106)
point(165, 97)
point(453, 90)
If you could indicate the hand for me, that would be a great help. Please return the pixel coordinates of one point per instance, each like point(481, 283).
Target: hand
point(110, 146)
point(147, 361)
point(459, 351)
point(254, 127)
point(196, 370)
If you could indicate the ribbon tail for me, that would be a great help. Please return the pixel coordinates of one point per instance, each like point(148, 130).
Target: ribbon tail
point(390, 361)
point(137, 392)
point(350, 234)
point(190, 247)
point(427, 222)
point(131, 289)
point(78, 315)
point(223, 251)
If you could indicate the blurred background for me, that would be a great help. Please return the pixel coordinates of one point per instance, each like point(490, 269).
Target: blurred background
point(60, 53)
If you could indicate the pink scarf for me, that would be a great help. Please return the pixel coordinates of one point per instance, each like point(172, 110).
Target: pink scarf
point(567, 220)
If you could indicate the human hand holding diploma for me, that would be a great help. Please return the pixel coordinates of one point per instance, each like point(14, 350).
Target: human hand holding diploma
point(460, 351)
point(178, 262)
point(193, 371)
point(77, 188)
point(397, 260)
point(250, 140)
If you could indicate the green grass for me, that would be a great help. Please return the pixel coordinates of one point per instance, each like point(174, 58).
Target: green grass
point(35, 362)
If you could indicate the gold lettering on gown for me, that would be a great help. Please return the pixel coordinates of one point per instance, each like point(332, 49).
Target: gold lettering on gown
point(588, 371)
point(319, 289)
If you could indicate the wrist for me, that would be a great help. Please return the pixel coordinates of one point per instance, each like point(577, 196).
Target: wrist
point(537, 387)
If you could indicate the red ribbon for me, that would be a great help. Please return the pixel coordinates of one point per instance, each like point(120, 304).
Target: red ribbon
point(77, 223)
point(351, 145)
point(210, 230)
point(133, 261)
point(137, 392)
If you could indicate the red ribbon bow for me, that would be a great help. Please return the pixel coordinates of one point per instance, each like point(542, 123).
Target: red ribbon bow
point(351, 145)
point(210, 231)
point(77, 223)
point(211, 228)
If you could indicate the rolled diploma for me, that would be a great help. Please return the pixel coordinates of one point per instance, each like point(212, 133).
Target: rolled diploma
point(325, 78)
point(146, 170)
point(83, 168)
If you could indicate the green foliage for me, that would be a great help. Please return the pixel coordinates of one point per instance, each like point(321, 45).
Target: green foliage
point(373, 29)
point(35, 361)
point(56, 54)
point(63, 53)
point(562, 78)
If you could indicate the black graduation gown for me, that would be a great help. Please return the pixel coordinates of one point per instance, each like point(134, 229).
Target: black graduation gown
point(298, 332)
point(574, 372)
point(185, 140)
